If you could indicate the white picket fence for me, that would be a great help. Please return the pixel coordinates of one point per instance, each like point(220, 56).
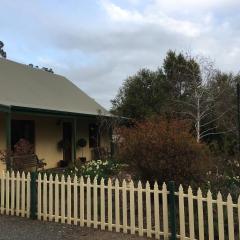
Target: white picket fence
point(15, 194)
point(125, 207)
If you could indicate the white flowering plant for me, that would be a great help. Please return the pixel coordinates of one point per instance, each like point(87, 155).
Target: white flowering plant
point(225, 178)
point(95, 168)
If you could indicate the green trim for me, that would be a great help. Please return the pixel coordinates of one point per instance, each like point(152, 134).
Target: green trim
point(74, 140)
point(4, 108)
point(33, 195)
point(50, 113)
point(8, 134)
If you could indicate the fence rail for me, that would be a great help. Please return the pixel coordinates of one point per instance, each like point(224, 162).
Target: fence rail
point(110, 205)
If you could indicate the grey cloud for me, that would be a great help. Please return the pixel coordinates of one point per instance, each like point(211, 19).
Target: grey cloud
point(98, 58)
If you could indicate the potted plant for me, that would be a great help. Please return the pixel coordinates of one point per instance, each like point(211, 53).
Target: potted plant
point(81, 143)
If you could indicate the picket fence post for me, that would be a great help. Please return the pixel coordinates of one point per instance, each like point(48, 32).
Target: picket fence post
point(165, 210)
point(18, 179)
point(95, 203)
point(156, 211)
point(191, 214)
point(140, 209)
point(181, 213)
point(117, 216)
point(172, 210)
point(12, 192)
point(2, 192)
point(33, 196)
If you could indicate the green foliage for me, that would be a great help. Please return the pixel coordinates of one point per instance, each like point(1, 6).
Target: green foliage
point(182, 73)
point(2, 52)
point(224, 177)
point(150, 93)
point(141, 96)
point(99, 169)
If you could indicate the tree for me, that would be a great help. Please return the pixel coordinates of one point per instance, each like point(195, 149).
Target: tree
point(3, 54)
point(179, 70)
point(151, 93)
point(204, 101)
point(223, 86)
point(141, 95)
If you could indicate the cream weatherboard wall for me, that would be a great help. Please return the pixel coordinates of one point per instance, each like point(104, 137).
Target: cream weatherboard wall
point(48, 132)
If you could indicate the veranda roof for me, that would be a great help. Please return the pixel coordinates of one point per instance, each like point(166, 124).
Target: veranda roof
point(28, 87)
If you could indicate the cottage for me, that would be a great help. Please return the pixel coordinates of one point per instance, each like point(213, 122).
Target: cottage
point(47, 110)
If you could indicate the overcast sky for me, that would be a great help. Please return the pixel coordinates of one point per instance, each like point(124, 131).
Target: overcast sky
point(98, 43)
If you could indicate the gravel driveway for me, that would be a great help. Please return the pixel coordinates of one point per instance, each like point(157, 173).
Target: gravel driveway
point(17, 228)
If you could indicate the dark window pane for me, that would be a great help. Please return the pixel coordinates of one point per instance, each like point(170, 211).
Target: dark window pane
point(22, 129)
point(94, 137)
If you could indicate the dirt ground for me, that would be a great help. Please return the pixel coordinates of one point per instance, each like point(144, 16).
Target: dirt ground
point(17, 228)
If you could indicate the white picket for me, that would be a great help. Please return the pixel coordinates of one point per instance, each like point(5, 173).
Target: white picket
point(102, 194)
point(191, 214)
point(50, 198)
point(140, 209)
point(45, 197)
point(56, 197)
point(75, 198)
point(81, 202)
point(12, 193)
point(89, 203)
point(165, 211)
point(95, 203)
point(7, 193)
point(117, 214)
point(3, 192)
point(230, 218)
point(69, 200)
point(210, 216)
point(181, 213)
point(28, 194)
point(220, 216)
point(132, 208)
point(200, 215)
point(148, 211)
point(156, 211)
point(39, 196)
point(15, 199)
point(124, 205)
point(23, 194)
point(18, 179)
point(63, 197)
point(109, 204)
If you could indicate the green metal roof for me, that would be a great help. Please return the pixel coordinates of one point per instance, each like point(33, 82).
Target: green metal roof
point(27, 87)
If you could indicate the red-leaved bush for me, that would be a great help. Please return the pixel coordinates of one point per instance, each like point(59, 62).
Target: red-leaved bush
point(162, 150)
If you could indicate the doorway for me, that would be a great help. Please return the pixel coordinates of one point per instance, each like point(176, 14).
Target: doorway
point(67, 141)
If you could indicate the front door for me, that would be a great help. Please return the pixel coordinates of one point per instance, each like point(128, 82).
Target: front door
point(67, 142)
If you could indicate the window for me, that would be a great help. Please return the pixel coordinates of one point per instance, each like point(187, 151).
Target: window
point(22, 129)
point(94, 137)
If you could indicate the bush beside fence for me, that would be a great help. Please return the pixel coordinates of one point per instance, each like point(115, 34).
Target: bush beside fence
point(136, 209)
